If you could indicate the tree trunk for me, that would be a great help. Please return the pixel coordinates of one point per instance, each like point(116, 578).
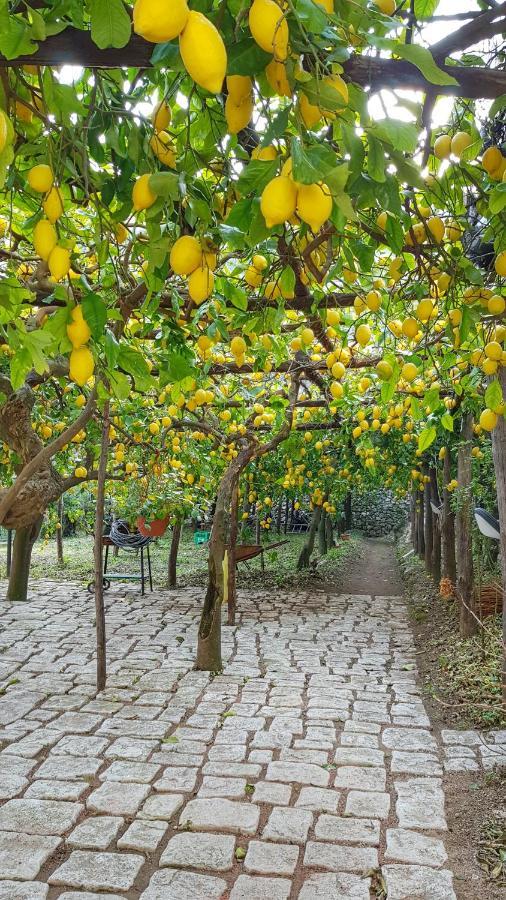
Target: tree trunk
point(449, 563)
point(322, 534)
point(348, 517)
point(99, 554)
point(307, 550)
point(436, 527)
point(287, 509)
point(413, 517)
point(427, 527)
point(420, 540)
point(465, 586)
point(232, 544)
point(257, 528)
point(499, 451)
point(329, 532)
point(24, 539)
point(279, 515)
point(9, 552)
point(174, 549)
point(59, 533)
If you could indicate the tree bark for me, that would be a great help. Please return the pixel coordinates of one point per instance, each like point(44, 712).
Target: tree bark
point(465, 585)
point(59, 533)
point(329, 532)
point(322, 534)
point(499, 452)
point(307, 550)
point(420, 539)
point(9, 553)
point(413, 517)
point(99, 553)
point(279, 515)
point(232, 544)
point(24, 539)
point(174, 549)
point(449, 562)
point(287, 511)
point(348, 517)
point(427, 519)
point(436, 527)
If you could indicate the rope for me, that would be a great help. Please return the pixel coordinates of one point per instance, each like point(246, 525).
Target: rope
point(126, 540)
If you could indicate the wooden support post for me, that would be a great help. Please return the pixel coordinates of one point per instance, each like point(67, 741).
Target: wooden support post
point(348, 515)
point(177, 529)
point(413, 517)
point(99, 577)
point(232, 543)
point(287, 512)
point(59, 533)
point(464, 539)
point(436, 527)
point(448, 563)
point(279, 514)
point(427, 522)
point(499, 451)
point(420, 540)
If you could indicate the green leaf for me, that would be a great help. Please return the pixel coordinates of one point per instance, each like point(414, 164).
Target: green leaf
point(403, 136)
point(287, 281)
point(247, 58)
point(388, 390)
point(424, 9)
point(424, 60)
point(177, 367)
point(277, 127)
point(110, 23)
point(111, 349)
point(20, 365)
point(168, 55)
point(493, 395)
point(336, 179)
point(311, 164)
point(235, 294)
point(15, 34)
point(95, 313)
point(426, 438)
point(256, 175)
point(165, 184)
point(376, 160)
point(497, 200)
point(447, 421)
point(120, 385)
point(498, 104)
point(311, 15)
point(134, 363)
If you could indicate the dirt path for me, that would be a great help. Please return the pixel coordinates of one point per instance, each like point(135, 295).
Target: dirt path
point(375, 572)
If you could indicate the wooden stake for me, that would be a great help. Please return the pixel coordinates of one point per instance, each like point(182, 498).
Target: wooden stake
point(99, 576)
point(499, 451)
point(463, 529)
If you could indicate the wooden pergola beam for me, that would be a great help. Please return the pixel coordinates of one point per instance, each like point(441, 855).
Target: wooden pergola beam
point(75, 47)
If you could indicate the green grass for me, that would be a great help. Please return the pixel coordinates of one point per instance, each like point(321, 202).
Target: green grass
point(280, 564)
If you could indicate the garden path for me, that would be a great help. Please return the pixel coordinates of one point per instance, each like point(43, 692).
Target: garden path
point(306, 769)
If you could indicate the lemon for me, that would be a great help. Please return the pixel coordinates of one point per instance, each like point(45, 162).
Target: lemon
point(409, 372)
point(338, 85)
point(53, 205)
point(260, 263)
point(384, 370)
point(460, 142)
point(443, 146)
point(80, 472)
point(410, 328)
point(203, 53)
point(253, 277)
point(333, 316)
point(496, 305)
point(500, 264)
point(44, 238)
point(279, 199)
point(162, 115)
point(238, 115)
point(436, 227)
point(336, 390)
point(158, 21)
point(142, 195)
point(41, 178)
point(424, 310)
point(154, 428)
point(488, 419)
point(493, 350)
point(373, 301)
point(121, 233)
point(265, 153)
point(4, 131)
point(307, 336)
point(78, 330)
point(81, 365)
point(237, 346)
point(200, 285)
point(491, 159)
point(59, 262)
point(239, 87)
point(454, 232)
point(163, 148)
point(381, 221)
point(186, 255)
point(363, 335)
point(310, 114)
point(276, 75)
point(269, 28)
point(314, 204)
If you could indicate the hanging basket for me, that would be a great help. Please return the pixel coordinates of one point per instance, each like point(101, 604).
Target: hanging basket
point(155, 528)
point(490, 600)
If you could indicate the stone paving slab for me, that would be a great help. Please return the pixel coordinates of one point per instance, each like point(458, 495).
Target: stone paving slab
point(291, 774)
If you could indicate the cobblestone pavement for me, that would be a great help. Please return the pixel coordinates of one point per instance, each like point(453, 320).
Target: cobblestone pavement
point(302, 768)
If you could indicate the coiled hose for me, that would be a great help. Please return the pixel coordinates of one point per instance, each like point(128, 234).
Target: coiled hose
point(125, 539)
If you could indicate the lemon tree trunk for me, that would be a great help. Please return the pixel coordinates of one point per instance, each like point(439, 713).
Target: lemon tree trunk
point(24, 539)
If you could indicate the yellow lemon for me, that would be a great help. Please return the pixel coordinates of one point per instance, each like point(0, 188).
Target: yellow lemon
point(443, 146)
point(491, 159)
point(59, 263)
point(162, 115)
point(314, 204)
point(384, 370)
point(275, 73)
point(142, 195)
point(269, 28)
point(493, 350)
point(500, 264)
point(279, 200)
point(363, 335)
point(44, 238)
point(253, 277)
point(310, 114)
point(460, 142)
point(158, 20)
point(238, 115)
point(237, 346)
point(203, 53)
point(496, 305)
point(410, 327)
point(81, 365)
point(264, 153)
point(200, 285)
point(336, 390)
point(4, 130)
point(41, 178)
point(121, 233)
point(454, 232)
point(381, 220)
point(78, 331)
point(163, 148)
point(436, 226)
point(53, 205)
point(424, 310)
point(373, 301)
point(409, 372)
point(488, 419)
point(239, 87)
point(186, 255)
point(338, 85)
point(260, 263)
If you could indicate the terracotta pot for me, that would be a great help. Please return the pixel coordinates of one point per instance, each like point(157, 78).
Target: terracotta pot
point(152, 529)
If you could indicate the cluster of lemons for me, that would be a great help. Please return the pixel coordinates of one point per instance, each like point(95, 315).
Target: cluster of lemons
point(81, 362)
point(191, 259)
